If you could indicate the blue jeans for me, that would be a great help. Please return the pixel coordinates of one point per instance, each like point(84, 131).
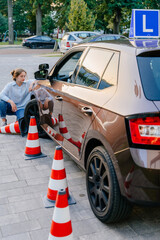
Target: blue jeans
point(6, 109)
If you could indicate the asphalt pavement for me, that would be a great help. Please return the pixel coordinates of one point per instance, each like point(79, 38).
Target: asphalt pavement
point(24, 184)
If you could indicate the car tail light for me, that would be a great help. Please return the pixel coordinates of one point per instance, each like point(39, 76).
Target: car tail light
point(145, 130)
point(67, 44)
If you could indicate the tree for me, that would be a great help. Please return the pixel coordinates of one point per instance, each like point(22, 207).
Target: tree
point(10, 22)
point(62, 8)
point(40, 7)
point(3, 25)
point(21, 16)
point(80, 18)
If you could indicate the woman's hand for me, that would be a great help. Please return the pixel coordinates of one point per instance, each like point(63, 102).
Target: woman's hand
point(13, 105)
point(32, 85)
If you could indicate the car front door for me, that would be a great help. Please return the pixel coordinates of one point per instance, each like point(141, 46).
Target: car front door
point(59, 76)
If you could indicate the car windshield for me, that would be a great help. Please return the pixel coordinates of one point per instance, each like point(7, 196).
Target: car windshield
point(149, 68)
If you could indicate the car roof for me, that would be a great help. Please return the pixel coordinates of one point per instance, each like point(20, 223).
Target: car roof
point(124, 45)
point(81, 32)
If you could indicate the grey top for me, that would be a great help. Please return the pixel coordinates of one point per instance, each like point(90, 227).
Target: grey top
point(20, 95)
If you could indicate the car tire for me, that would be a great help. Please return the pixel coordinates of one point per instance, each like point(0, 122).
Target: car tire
point(103, 191)
point(33, 46)
point(31, 109)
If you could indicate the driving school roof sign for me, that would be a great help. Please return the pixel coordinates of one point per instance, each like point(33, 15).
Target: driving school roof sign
point(145, 23)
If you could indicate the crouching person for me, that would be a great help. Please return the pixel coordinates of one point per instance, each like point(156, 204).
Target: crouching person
point(14, 97)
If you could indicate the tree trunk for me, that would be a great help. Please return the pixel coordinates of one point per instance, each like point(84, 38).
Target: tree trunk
point(39, 20)
point(10, 22)
point(116, 21)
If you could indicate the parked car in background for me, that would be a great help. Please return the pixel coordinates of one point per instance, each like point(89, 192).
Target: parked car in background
point(70, 38)
point(104, 37)
point(107, 100)
point(38, 42)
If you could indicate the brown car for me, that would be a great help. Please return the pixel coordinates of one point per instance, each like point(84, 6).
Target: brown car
point(106, 99)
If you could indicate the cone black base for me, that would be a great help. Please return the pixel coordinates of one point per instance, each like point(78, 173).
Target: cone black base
point(49, 203)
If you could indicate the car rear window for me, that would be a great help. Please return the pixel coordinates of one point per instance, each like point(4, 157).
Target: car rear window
point(149, 69)
point(65, 37)
point(82, 35)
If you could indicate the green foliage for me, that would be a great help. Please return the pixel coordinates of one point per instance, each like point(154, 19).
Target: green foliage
point(4, 7)
point(80, 17)
point(73, 14)
point(4, 24)
point(44, 5)
point(48, 24)
point(62, 8)
point(21, 15)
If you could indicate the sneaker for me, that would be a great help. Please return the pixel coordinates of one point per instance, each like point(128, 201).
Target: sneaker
point(4, 123)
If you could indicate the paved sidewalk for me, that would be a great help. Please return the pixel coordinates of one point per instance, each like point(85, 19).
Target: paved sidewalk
point(23, 215)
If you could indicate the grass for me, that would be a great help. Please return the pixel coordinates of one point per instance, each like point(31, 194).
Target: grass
point(7, 43)
point(54, 54)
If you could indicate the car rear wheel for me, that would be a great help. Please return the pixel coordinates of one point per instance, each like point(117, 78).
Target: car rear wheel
point(31, 109)
point(103, 190)
point(33, 45)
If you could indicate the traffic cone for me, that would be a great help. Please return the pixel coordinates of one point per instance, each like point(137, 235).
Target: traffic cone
point(54, 120)
point(63, 129)
point(57, 180)
point(50, 131)
point(61, 227)
point(56, 136)
point(79, 143)
point(33, 149)
point(11, 128)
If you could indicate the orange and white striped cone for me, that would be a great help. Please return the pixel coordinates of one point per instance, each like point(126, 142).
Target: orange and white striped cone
point(50, 131)
point(128, 181)
point(56, 136)
point(33, 149)
point(54, 121)
point(59, 138)
point(61, 227)
point(11, 128)
point(79, 143)
point(63, 129)
point(57, 180)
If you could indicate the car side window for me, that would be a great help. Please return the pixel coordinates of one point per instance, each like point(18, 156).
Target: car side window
point(93, 67)
point(45, 38)
point(109, 77)
point(71, 38)
point(67, 67)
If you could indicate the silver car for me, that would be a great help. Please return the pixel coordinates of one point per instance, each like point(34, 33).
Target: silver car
point(70, 38)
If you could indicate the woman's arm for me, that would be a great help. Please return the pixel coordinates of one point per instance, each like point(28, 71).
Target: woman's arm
point(4, 95)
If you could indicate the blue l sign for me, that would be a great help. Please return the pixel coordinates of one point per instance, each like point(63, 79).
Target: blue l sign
point(144, 23)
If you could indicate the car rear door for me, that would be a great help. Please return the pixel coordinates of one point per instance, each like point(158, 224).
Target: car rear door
point(83, 97)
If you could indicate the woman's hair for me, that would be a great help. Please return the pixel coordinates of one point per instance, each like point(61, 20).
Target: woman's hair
point(16, 72)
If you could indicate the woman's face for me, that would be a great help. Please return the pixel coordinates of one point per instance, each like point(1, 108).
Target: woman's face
point(21, 77)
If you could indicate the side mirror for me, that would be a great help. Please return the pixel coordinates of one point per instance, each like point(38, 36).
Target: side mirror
point(43, 66)
point(41, 75)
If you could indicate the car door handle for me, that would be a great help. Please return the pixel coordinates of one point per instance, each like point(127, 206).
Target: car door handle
point(87, 110)
point(58, 98)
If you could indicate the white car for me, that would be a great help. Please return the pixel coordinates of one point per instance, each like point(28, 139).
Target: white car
point(70, 38)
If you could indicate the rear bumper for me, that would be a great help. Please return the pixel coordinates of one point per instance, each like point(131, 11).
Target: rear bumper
point(140, 171)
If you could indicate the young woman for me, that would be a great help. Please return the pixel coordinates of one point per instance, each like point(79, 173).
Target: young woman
point(15, 95)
